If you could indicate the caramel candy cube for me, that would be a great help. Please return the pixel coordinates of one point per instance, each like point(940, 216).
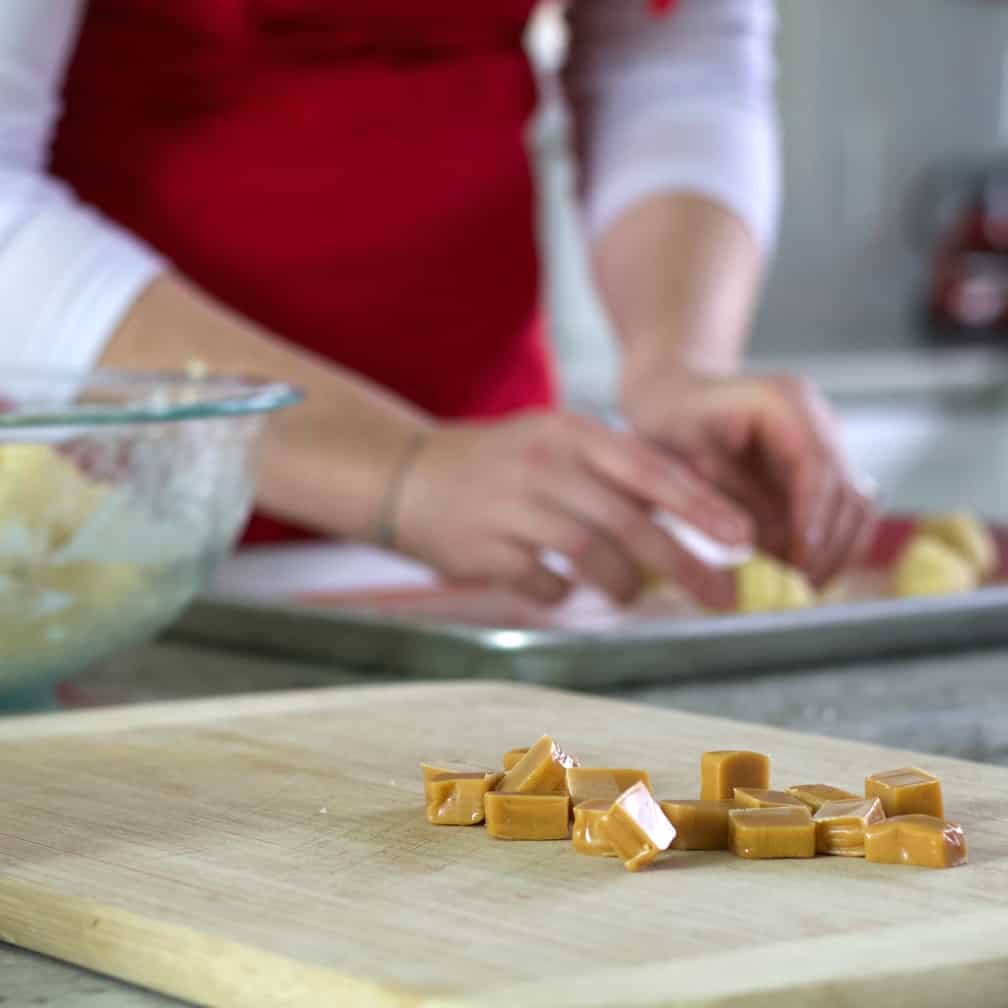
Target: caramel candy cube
point(511, 758)
point(783, 831)
point(587, 833)
point(923, 840)
point(636, 827)
point(907, 791)
point(724, 770)
point(814, 795)
point(456, 799)
point(765, 798)
point(602, 783)
point(516, 816)
point(699, 825)
point(542, 770)
point(840, 825)
point(432, 770)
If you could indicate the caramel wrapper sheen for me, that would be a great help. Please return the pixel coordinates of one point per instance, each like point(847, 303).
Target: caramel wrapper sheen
point(636, 827)
point(542, 770)
point(778, 832)
point(515, 816)
point(456, 799)
point(587, 834)
point(511, 758)
point(814, 795)
point(840, 825)
point(699, 824)
point(922, 840)
point(721, 771)
point(907, 791)
point(765, 798)
point(602, 783)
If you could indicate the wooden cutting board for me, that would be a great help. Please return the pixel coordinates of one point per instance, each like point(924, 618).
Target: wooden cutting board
point(272, 850)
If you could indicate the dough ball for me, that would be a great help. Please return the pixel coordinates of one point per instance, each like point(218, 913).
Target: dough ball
point(928, 566)
point(796, 592)
point(44, 498)
point(968, 536)
point(764, 585)
point(94, 585)
point(64, 609)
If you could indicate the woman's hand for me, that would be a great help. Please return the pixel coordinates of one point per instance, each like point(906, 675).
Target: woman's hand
point(485, 500)
point(772, 445)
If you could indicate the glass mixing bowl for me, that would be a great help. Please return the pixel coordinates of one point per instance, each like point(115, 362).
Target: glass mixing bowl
point(118, 495)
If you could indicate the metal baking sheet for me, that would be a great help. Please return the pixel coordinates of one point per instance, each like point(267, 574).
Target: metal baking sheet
point(455, 634)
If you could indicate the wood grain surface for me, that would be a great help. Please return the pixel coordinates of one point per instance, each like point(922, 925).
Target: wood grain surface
point(272, 850)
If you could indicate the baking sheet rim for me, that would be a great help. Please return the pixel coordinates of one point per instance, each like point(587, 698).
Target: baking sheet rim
point(505, 638)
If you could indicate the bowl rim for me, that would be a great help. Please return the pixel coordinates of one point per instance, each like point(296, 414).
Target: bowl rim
point(215, 397)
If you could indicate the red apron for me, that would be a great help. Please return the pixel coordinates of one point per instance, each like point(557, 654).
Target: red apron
point(353, 176)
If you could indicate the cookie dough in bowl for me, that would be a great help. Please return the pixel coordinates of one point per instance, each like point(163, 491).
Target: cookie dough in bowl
point(118, 496)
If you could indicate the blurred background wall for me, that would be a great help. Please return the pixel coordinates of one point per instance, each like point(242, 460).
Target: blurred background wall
point(886, 106)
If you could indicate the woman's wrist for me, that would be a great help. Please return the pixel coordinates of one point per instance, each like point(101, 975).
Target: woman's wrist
point(670, 368)
point(345, 469)
point(671, 358)
point(385, 528)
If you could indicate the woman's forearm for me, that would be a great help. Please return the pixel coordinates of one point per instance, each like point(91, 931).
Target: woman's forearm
point(325, 463)
point(680, 276)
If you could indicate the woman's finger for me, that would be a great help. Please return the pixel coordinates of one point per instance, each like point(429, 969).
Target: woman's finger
point(519, 566)
point(597, 558)
point(754, 491)
point(868, 531)
point(857, 532)
point(663, 483)
point(541, 585)
point(650, 547)
point(850, 535)
point(813, 490)
point(835, 525)
point(621, 519)
point(711, 587)
point(793, 430)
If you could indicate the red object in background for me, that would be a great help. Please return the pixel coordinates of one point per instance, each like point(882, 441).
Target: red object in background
point(969, 286)
point(354, 177)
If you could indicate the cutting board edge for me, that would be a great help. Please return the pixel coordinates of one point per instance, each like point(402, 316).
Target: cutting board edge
point(93, 935)
point(266, 980)
point(977, 978)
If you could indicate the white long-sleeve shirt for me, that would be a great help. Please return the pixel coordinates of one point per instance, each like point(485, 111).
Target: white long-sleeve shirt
point(676, 103)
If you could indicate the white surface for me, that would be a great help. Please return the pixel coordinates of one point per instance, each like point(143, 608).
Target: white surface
point(283, 571)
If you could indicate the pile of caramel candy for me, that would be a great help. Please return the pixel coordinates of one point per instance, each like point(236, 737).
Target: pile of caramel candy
point(898, 820)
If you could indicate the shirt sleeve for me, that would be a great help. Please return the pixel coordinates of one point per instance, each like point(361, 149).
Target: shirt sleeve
point(681, 102)
point(67, 275)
